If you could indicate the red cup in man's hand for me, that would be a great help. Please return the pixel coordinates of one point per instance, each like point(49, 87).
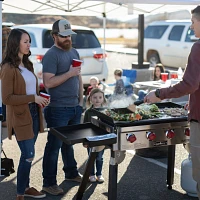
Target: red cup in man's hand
point(76, 63)
point(47, 96)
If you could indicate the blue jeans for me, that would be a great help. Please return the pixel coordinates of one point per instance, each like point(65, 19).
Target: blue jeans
point(142, 94)
point(27, 153)
point(56, 117)
point(98, 162)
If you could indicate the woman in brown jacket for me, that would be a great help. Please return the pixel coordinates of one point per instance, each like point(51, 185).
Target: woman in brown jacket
point(20, 95)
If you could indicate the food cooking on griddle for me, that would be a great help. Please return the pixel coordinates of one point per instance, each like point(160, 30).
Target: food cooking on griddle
point(145, 111)
point(175, 112)
point(123, 117)
point(148, 111)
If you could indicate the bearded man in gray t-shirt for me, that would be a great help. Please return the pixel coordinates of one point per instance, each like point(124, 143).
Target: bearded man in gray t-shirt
point(64, 84)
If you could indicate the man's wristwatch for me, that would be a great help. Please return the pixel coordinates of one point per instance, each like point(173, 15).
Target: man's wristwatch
point(157, 93)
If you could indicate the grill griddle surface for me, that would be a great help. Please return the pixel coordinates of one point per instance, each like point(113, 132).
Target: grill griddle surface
point(164, 119)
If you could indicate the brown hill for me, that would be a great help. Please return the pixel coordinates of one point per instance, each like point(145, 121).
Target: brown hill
point(92, 22)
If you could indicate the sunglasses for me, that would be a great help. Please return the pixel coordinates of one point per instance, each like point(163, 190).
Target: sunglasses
point(61, 36)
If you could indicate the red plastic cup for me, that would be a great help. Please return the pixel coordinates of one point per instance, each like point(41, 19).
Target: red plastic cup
point(174, 75)
point(164, 76)
point(76, 63)
point(47, 96)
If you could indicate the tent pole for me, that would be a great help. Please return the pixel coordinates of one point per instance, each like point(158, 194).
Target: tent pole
point(104, 36)
point(0, 81)
point(140, 39)
point(140, 64)
point(104, 33)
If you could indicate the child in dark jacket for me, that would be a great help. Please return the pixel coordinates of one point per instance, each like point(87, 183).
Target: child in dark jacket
point(96, 99)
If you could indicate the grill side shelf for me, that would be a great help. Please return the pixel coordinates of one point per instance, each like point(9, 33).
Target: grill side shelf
point(86, 133)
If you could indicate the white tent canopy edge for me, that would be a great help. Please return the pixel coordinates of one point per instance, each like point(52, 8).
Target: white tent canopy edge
point(166, 2)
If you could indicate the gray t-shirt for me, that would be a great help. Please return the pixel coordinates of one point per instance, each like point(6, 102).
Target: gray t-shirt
point(58, 61)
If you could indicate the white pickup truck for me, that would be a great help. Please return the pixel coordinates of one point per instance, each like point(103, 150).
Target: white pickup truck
point(168, 42)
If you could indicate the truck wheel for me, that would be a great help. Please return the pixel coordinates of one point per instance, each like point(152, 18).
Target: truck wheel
point(154, 59)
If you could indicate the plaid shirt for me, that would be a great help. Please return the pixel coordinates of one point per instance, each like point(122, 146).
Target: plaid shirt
point(5, 34)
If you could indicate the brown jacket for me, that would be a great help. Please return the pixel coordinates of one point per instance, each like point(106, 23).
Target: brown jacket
point(189, 85)
point(14, 96)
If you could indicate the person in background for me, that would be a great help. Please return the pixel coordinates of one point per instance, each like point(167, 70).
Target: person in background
point(119, 86)
point(159, 68)
point(64, 84)
point(94, 83)
point(96, 100)
point(190, 84)
point(20, 94)
point(5, 33)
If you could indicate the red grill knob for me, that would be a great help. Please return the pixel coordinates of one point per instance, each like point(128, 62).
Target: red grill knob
point(151, 136)
point(131, 138)
point(170, 134)
point(187, 132)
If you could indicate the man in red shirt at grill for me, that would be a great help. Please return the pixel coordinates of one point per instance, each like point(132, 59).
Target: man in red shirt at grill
point(190, 84)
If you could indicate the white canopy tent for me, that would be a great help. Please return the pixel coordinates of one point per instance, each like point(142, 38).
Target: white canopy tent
point(89, 8)
point(92, 7)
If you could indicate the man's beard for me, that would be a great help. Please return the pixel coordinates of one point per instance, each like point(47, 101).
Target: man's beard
point(66, 45)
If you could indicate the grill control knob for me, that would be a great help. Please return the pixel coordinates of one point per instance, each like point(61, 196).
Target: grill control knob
point(187, 132)
point(151, 136)
point(131, 137)
point(170, 134)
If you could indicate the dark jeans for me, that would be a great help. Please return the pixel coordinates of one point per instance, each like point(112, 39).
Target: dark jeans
point(56, 117)
point(141, 94)
point(99, 163)
point(27, 153)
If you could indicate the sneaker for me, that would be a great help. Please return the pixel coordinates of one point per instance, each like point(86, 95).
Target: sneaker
point(100, 179)
point(76, 179)
point(20, 198)
point(53, 190)
point(92, 179)
point(32, 192)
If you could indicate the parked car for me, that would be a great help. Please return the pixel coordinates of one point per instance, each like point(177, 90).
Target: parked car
point(168, 42)
point(85, 41)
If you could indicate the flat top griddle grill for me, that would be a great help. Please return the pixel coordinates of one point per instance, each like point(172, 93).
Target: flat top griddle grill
point(165, 119)
point(105, 131)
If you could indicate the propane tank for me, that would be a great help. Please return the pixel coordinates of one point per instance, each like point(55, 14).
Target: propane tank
point(187, 182)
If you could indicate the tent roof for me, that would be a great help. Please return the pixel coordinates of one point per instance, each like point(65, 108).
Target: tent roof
point(94, 7)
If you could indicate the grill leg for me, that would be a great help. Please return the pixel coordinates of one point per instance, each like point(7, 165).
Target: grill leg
point(86, 175)
point(112, 185)
point(116, 158)
point(170, 166)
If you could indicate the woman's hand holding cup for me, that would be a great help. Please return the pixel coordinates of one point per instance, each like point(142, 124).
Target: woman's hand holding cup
point(43, 100)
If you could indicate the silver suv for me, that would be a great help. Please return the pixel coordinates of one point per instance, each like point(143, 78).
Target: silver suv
point(85, 41)
point(168, 42)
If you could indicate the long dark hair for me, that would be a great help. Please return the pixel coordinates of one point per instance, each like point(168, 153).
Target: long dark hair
point(12, 50)
point(162, 70)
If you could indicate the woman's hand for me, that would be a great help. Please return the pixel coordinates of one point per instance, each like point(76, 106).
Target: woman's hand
point(42, 101)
